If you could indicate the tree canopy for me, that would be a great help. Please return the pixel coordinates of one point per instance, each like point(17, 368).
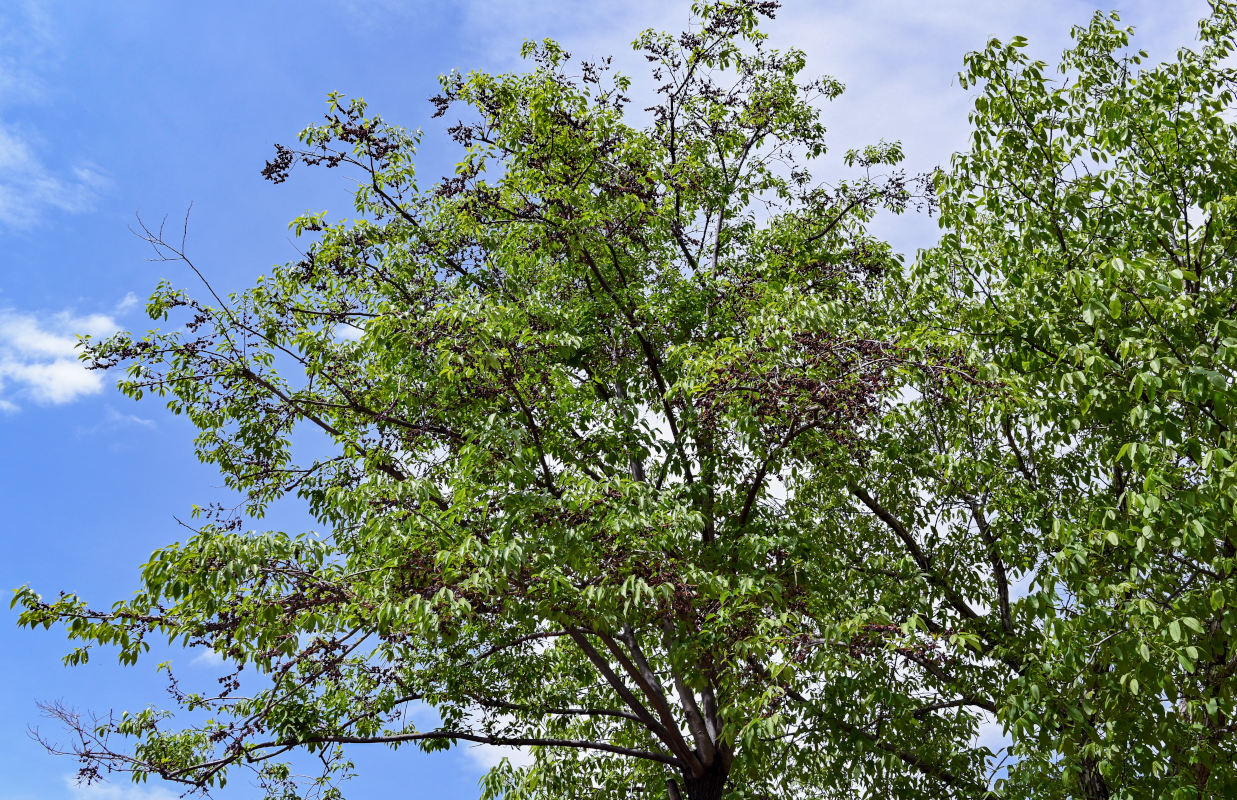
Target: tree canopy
point(630, 443)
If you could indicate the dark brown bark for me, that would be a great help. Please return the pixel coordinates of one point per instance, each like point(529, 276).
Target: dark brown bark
point(709, 785)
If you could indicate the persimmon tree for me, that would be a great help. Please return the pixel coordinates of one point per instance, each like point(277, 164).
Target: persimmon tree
point(587, 407)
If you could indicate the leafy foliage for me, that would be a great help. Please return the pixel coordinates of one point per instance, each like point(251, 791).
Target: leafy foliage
point(1088, 258)
point(637, 449)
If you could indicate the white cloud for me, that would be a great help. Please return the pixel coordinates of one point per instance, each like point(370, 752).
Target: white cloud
point(899, 60)
point(991, 733)
point(349, 333)
point(38, 357)
point(54, 382)
point(488, 756)
point(116, 791)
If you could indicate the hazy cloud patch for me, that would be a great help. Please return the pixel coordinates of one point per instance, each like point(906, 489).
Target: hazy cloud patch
point(127, 303)
point(114, 420)
point(208, 658)
point(29, 188)
point(488, 756)
point(116, 791)
point(27, 43)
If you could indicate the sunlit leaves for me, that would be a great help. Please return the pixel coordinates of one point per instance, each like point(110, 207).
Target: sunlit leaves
point(1089, 250)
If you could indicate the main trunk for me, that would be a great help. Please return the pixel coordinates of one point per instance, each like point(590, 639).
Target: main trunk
point(709, 786)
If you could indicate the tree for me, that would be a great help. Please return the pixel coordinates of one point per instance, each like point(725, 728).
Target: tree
point(585, 408)
point(1088, 260)
point(635, 448)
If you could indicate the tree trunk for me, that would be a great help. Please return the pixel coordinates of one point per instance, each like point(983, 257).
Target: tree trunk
point(709, 786)
point(1092, 783)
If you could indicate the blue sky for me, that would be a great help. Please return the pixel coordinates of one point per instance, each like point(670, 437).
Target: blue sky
point(111, 109)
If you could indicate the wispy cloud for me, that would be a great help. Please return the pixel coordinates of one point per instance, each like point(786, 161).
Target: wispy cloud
point(27, 43)
point(208, 658)
point(38, 357)
point(116, 791)
point(611, 24)
point(127, 303)
point(112, 421)
point(30, 187)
